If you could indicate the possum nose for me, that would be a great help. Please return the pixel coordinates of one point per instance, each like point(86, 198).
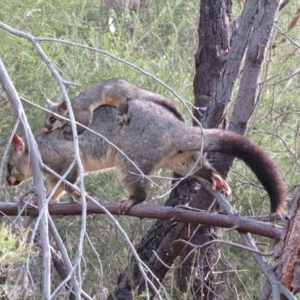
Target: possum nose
point(12, 181)
point(45, 129)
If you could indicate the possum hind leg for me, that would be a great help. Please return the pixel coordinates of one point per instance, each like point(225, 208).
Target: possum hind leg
point(187, 162)
point(53, 180)
point(206, 171)
point(133, 182)
point(58, 191)
point(137, 195)
point(117, 99)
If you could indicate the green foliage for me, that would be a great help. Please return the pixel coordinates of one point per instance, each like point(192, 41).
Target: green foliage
point(162, 43)
point(13, 248)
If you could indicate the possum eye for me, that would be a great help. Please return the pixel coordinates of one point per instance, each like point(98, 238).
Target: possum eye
point(9, 167)
point(52, 120)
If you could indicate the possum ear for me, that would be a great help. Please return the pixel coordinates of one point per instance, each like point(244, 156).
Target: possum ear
point(63, 109)
point(50, 104)
point(17, 144)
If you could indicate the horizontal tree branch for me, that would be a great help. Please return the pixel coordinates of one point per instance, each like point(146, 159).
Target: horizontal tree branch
point(174, 214)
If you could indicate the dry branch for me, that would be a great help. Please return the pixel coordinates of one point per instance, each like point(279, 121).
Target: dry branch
point(37, 174)
point(174, 214)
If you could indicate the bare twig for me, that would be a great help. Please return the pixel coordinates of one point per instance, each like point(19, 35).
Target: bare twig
point(78, 255)
point(8, 147)
point(197, 247)
point(37, 174)
point(50, 66)
point(101, 286)
point(70, 269)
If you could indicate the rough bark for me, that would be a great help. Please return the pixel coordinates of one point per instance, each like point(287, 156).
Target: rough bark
point(3, 277)
point(61, 269)
point(264, 22)
point(287, 265)
point(167, 215)
point(259, 32)
point(215, 34)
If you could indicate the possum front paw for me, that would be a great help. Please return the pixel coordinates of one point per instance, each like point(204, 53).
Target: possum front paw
point(52, 201)
point(72, 192)
point(34, 201)
point(76, 194)
point(73, 200)
point(123, 118)
point(125, 205)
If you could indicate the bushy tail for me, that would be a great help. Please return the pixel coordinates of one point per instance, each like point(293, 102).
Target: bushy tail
point(257, 159)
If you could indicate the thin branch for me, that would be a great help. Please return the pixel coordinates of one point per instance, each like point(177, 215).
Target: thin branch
point(47, 61)
point(132, 248)
point(288, 149)
point(78, 255)
point(197, 247)
point(118, 226)
point(288, 37)
point(184, 102)
point(37, 174)
point(8, 147)
point(101, 286)
point(70, 269)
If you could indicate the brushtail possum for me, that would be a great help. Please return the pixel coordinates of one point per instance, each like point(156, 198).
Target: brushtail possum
point(155, 138)
point(114, 92)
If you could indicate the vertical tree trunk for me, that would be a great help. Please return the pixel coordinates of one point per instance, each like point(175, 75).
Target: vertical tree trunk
point(255, 28)
point(215, 33)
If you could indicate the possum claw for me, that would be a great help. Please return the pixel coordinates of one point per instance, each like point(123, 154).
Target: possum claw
point(72, 192)
point(73, 200)
point(226, 190)
point(76, 194)
point(123, 119)
point(217, 182)
point(125, 205)
point(34, 201)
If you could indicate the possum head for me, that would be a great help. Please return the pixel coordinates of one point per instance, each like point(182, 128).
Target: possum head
point(53, 122)
point(18, 167)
